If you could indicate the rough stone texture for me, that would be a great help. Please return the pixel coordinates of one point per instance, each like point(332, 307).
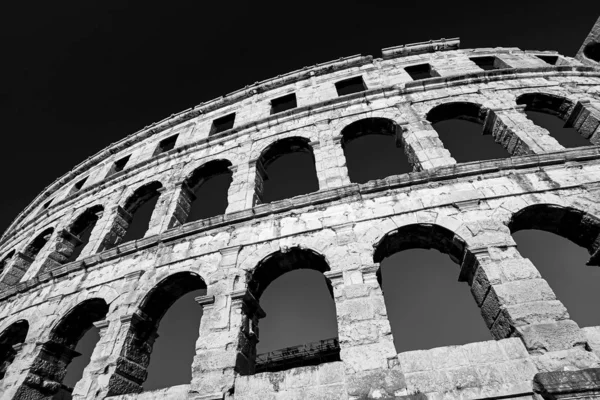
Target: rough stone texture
point(344, 229)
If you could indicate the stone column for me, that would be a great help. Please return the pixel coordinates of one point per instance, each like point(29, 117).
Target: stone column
point(95, 372)
point(92, 245)
point(585, 118)
point(113, 228)
point(226, 336)
point(161, 209)
point(15, 270)
point(365, 336)
point(518, 134)
point(241, 191)
point(330, 163)
point(178, 210)
point(516, 301)
point(423, 146)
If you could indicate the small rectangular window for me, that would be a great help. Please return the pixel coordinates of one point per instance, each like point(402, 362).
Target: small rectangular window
point(166, 145)
point(349, 86)
point(485, 63)
point(419, 71)
point(222, 124)
point(552, 60)
point(283, 103)
point(118, 166)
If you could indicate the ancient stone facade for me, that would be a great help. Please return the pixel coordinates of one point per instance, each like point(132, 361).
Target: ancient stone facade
point(51, 295)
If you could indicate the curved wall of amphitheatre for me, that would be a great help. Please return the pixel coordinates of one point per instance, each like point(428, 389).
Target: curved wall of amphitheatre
point(343, 230)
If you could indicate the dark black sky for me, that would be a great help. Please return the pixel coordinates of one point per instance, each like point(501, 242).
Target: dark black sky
point(81, 75)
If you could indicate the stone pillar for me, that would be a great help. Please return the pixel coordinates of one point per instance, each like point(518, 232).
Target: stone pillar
point(178, 210)
point(365, 336)
point(516, 302)
point(60, 250)
point(95, 372)
point(225, 333)
point(423, 146)
point(585, 118)
point(160, 214)
point(330, 163)
point(114, 229)
point(15, 270)
point(92, 245)
point(517, 133)
point(241, 191)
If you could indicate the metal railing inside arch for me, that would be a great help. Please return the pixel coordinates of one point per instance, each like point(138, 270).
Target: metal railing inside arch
point(315, 353)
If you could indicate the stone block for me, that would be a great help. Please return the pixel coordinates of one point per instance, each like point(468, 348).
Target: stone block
point(367, 357)
point(535, 312)
point(560, 335)
point(382, 384)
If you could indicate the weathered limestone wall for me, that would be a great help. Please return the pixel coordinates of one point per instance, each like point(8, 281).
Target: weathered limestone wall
point(466, 210)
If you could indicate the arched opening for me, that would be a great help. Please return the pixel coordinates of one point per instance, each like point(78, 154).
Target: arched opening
point(207, 188)
point(555, 239)
point(5, 260)
point(171, 301)
point(409, 275)
point(48, 371)
point(460, 127)
point(80, 232)
point(37, 244)
point(373, 150)
point(11, 341)
point(138, 211)
point(285, 169)
point(299, 329)
point(551, 113)
point(592, 51)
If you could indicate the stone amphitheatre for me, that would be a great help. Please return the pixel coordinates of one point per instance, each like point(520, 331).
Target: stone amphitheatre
point(55, 284)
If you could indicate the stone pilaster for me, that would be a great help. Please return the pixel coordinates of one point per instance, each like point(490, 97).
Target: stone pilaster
point(178, 210)
point(423, 146)
point(330, 163)
point(365, 336)
point(95, 371)
point(160, 215)
point(241, 190)
point(92, 245)
point(217, 349)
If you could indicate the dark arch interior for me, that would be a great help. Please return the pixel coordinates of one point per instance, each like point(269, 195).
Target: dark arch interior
point(577, 226)
point(409, 274)
point(38, 243)
point(209, 185)
point(373, 150)
point(291, 286)
point(281, 262)
point(286, 169)
point(14, 335)
point(140, 207)
point(142, 336)
point(554, 239)
point(460, 127)
point(82, 230)
point(59, 350)
point(592, 51)
point(551, 112)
